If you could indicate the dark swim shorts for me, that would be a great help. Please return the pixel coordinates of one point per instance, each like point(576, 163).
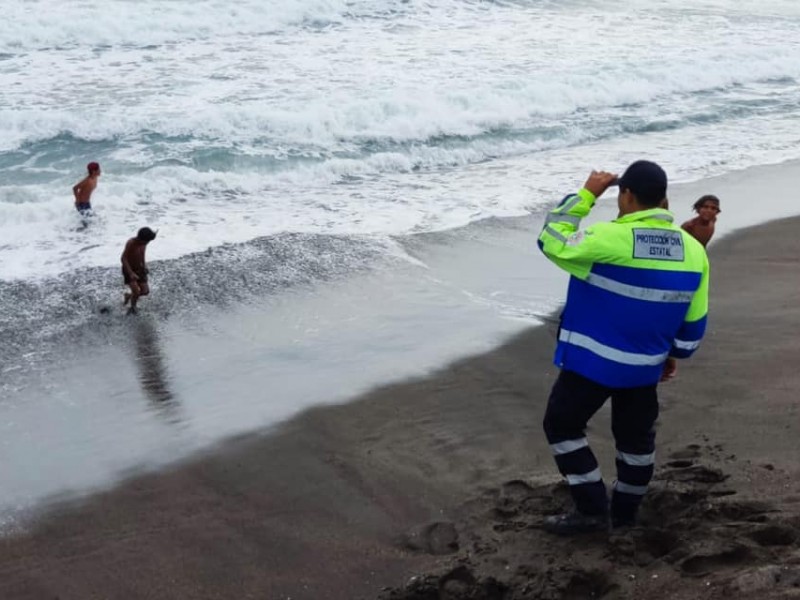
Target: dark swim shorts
point(142, 278)
point(83, 207)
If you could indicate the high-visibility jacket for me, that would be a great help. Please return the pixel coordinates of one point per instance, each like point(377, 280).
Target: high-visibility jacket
point(638, 292)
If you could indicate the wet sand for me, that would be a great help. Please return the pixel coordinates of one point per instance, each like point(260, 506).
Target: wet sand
point(446, 478)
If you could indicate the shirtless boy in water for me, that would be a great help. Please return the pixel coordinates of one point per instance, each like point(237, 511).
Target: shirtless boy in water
point(134, 268)
point(84, 188)
point(702, 226)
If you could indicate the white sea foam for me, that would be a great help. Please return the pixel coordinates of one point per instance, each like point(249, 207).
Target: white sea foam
point(222, 123)
point(37, 24)
point(218, 122)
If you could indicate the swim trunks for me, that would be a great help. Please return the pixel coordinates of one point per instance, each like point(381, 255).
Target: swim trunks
point(83, 207)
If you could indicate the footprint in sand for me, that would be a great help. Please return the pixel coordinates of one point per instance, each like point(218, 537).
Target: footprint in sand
point(459, 583)
point(700, 564)
point(741, 511)
point(774, 534)
point(436, 538)
point(688, 472)
point(690, 452)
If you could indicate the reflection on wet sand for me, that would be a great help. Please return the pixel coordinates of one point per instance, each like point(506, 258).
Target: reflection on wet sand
point(153, 374)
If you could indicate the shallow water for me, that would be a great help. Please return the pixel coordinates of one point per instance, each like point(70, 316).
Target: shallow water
point(347, 193)
point(122, 393)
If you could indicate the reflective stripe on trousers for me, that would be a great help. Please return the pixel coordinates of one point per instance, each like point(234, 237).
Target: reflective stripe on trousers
point(574, 399)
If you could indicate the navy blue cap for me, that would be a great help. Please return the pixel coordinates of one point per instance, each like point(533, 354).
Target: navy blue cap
point(646, 180)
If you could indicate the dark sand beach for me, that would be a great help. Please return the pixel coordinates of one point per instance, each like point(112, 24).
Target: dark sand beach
point(445, 480)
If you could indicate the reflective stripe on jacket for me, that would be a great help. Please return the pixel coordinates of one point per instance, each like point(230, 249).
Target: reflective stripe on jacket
point(638, 292)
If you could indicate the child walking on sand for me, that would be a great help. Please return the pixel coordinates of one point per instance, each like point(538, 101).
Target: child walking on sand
point(134, 268)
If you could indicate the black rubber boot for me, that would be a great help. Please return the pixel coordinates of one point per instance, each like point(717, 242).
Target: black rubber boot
point(574, 523)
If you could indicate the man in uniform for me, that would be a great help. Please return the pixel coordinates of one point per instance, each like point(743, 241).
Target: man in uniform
point(637, 300)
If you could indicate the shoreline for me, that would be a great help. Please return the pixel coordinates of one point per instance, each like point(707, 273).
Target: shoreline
point(722, 516)
point(338, 501)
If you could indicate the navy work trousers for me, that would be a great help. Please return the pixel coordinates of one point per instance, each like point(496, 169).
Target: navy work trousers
point(574, 399)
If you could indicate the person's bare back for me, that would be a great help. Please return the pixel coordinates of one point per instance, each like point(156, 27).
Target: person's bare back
point(84, 188)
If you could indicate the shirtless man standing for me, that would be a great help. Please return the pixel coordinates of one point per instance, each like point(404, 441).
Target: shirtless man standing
point(134, 269)
point(84, 188)
point(702, 226)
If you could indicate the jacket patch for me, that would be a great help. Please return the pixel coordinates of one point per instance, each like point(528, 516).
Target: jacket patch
point(657, 244)
point(576, 238)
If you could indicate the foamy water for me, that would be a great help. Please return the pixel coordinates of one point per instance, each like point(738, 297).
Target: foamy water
point(284, 150)
point(220, 123)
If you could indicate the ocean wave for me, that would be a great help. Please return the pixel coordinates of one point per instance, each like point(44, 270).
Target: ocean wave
point(321, 146)
point(51, 25)
point(385, 194)
point(362, 117)
point(323, 128)
point(55, 26)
